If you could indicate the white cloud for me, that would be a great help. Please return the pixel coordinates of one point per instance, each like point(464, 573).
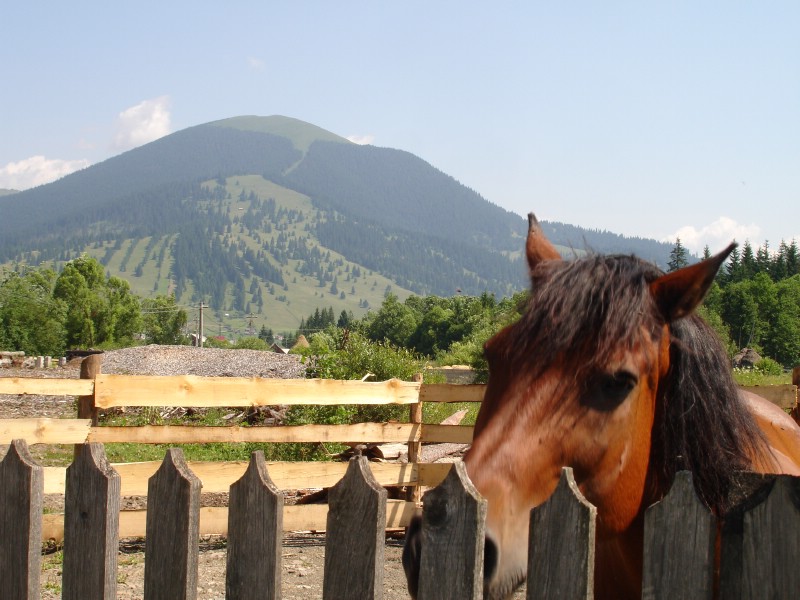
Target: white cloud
point(715, 235)
point(361, 139)
point(142, 123)
point(256, 63)
point(37, 170)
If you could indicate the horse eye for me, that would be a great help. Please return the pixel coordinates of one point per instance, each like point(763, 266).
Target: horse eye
point(609, 390)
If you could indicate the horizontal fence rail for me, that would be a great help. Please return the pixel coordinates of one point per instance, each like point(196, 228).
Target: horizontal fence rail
point(194, 391)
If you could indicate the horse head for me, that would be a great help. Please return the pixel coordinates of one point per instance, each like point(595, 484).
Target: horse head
point(575, 382)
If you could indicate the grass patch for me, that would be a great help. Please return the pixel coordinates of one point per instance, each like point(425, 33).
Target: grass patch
point(756, 377)
point(436, 412)
point(240, 451)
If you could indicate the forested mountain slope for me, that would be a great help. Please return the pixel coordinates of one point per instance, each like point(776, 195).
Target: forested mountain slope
point(272, 217)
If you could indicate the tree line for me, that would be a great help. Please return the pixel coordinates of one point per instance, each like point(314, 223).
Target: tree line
point(755, 299)
point(755, 302)
point(45, 313)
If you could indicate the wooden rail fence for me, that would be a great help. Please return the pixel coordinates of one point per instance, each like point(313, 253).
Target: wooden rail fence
point(760, 545)
point(97, 391)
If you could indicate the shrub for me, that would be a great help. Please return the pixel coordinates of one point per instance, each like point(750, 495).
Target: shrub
point(251, 343)
point(768, 366)
point(341, 354)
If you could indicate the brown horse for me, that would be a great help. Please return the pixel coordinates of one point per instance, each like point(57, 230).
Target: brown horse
point(610, 373)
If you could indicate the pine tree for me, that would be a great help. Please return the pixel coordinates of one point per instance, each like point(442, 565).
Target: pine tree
point(734, 267)
point(792, 260)
point(677, 257)
point(749, 266)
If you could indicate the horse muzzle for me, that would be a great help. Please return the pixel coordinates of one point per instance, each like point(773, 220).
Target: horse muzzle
point(412, 560)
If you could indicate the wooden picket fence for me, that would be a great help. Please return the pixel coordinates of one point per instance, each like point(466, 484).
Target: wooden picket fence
point(760, 541)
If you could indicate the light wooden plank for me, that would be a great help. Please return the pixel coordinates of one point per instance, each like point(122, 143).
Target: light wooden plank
point(180, 434)
point(430, 474)
point(784, 396)
point(214, 520)
point(451, 434)
point(46, 386)
point(45, 431)
point(452, 392)
point(190, 390)
point(217, 476)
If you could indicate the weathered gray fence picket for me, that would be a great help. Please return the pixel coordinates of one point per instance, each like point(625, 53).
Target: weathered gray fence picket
point(21, 497)
point(355, 537)
point(173, 531)
point(452, 539)
point(760, 540)
point(91, 526)
point(255, 533)
point(561, 544)
point(679, 533)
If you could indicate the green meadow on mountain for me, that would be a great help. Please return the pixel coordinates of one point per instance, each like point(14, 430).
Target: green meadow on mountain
point(265, 219)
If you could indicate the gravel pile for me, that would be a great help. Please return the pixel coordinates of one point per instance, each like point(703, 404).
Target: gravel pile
point(204, 362)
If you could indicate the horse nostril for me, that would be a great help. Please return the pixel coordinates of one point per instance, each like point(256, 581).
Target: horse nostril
point(489, 559)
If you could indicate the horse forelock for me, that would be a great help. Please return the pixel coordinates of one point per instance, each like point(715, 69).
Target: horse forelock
point(579, 312)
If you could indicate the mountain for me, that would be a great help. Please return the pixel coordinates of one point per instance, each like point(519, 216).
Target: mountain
point(274, 217)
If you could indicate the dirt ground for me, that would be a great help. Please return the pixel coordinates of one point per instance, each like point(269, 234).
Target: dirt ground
point(303, 553)
point(301, 577)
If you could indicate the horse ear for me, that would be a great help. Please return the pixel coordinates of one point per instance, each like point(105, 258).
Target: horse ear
point(678, 293)
point(538, 247)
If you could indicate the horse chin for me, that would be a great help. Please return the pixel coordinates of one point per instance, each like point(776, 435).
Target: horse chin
point(503, 589)
point(509, 571)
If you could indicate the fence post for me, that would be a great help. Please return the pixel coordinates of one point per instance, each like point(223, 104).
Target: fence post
point(414, 493)
point(679, 535)
point(255, 535)
point(453, 522)
point(91, 526)
point(561, 544)
point(172, 531)
point(354, 544)
point(21, 497)
point(91, 366)
point(747, 491)
point(769, 545)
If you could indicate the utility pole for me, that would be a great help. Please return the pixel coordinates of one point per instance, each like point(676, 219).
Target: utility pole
point(200, 337)
point(250, 329)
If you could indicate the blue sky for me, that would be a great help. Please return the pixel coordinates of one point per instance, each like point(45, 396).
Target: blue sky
point(641, 118)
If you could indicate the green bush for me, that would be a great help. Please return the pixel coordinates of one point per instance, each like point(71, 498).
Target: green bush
point(251, 343)
point(340, 354)
point(768, 366)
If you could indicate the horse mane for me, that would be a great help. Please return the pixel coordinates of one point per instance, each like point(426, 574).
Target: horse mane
point(703, 425)
point(580, 311)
